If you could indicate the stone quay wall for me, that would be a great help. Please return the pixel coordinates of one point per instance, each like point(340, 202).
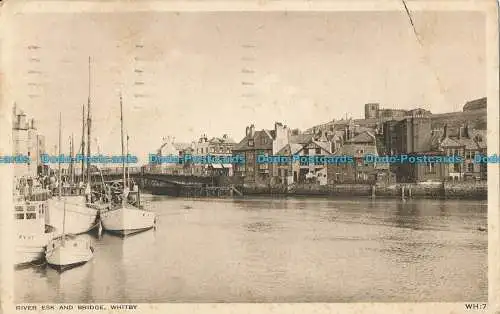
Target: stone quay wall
point(447, 190)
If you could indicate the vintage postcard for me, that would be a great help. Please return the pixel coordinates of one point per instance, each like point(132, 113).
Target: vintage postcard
point(249, 157)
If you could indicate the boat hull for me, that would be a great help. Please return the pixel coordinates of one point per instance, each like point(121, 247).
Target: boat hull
point(27, 254)
point(127, 220)
point(74, 252)
point(79, 218)
point(30, 247)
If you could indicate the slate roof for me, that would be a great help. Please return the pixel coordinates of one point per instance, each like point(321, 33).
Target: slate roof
point(303, 138)
point(351, 149)
point(243, 144)
point(364, 137)
point(470, 143)
point(182, 146)
point(326, 146)
point(222, 140)
point(290, 149)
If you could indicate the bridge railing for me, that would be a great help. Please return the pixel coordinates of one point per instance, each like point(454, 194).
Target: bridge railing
point(118, 170)
point(178, 171)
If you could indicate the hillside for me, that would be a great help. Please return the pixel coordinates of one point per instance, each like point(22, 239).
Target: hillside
point(476, 119)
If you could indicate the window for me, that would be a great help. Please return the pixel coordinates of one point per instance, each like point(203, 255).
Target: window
point(251, 142)
point(470, 167)
point(306, 151)
point(30, 215)
point(431, 167)
point(318, 151)
point(19, 216)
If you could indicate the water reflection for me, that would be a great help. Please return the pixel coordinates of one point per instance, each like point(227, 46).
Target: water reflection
point(282, 250)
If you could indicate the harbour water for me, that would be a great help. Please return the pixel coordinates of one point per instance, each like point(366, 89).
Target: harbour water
point(282, 250)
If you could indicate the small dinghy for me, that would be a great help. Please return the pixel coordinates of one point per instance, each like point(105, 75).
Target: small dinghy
point(68, 251)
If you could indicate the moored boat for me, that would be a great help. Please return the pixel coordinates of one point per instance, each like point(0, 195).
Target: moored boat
point(80, 218)
point(32, 232)
point(68, 251)
point(125, 218)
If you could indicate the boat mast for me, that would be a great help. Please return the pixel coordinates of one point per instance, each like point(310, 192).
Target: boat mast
point(128, 169)
point(89, 123)
point(59, 163)
point(123, 148)
point(71, 152)
point(83, 143)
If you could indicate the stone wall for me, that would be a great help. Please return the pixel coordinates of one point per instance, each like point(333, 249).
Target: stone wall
point(467, 190)
point(455, 190)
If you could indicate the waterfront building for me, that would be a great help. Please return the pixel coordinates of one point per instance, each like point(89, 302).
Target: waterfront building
point(359, 171)
point(423, 172)
point(255, 143)
point(299, 151)
point(26, 141)
point(216, 146)
point(170, 148)
point(467, 143)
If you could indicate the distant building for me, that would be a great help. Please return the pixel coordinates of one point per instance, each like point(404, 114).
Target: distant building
point(216, 146)
point(174, 150)
point(28, 142)
point(410, 135)
point(373, 111)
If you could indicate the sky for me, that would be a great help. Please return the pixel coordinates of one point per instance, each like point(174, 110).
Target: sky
point(192, 73)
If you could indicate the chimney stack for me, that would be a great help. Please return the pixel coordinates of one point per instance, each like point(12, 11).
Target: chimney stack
point(445, 131)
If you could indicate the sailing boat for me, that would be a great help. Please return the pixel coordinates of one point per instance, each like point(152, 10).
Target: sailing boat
point(126, 219)
point(81, 217)
point(67, 250)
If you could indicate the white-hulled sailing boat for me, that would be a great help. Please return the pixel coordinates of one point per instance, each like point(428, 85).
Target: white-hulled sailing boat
point(67, 250)
point(126, 219)
point(81, 218)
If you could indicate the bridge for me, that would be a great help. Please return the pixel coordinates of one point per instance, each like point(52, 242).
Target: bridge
point(177, 177)
point(175, 181)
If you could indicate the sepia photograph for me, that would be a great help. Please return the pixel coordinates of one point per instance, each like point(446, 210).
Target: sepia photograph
point(247, 156)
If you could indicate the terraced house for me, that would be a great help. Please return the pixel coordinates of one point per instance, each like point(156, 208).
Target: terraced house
point(358, 146)
point(300, 170)
point(263, 142)
point(466, 143)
